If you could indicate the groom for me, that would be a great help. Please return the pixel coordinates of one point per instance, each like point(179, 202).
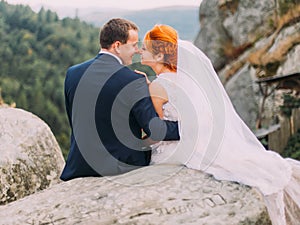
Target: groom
point(108, 106)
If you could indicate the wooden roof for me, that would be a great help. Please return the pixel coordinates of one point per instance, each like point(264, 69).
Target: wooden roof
point(289, 81)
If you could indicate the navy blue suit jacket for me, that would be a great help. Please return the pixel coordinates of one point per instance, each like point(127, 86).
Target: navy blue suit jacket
point(108, 105)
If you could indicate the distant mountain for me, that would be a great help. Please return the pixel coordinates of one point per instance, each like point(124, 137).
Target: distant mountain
point(185, 19)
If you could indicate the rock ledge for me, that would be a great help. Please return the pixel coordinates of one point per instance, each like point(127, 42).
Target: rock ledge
point(160, 194)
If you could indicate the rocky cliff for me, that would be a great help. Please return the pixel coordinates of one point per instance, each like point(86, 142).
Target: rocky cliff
point(247, 40)
point(30, 157)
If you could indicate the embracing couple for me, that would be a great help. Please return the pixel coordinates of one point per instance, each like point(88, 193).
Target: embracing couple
point(121, 121)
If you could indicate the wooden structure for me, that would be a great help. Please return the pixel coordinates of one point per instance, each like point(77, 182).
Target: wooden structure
point(278, 135)
point(277, 140)
point(268, 85)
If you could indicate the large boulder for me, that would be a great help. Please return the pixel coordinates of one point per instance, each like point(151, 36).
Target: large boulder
point(159, 194)
point(30, 157)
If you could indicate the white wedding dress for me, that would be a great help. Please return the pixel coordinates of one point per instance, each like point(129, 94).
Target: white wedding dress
point(215, 140)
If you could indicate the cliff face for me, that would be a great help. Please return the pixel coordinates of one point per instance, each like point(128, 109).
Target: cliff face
point(232, 25)
point(247, 40)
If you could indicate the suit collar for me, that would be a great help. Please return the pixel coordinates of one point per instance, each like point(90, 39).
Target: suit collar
point(108, 53)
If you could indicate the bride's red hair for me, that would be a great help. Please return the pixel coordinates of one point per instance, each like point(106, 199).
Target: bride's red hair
point(163, 39)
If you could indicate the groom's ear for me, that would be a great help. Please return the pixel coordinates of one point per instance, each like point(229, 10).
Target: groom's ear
point(116, 46)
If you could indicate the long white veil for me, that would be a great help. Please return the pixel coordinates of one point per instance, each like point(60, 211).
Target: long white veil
point(213, 135)
point(214, 138)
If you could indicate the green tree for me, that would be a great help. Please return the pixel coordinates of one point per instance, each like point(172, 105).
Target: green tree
point(36, 50)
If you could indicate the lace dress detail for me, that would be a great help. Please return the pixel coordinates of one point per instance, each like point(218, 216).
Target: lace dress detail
point(162, 150)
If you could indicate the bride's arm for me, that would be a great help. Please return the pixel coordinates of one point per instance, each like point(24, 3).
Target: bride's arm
point(159, 97)
point(158, 94)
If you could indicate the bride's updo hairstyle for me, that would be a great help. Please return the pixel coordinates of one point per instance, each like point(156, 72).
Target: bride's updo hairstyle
point(163, 39)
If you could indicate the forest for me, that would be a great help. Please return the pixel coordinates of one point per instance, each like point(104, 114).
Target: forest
point(36, 50)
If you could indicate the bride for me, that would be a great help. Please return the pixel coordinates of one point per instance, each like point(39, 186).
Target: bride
point(213, 137)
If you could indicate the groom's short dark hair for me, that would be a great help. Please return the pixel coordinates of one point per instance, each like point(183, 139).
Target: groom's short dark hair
point(116, 29)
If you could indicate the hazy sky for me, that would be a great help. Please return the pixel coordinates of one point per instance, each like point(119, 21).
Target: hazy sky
point(124, 4)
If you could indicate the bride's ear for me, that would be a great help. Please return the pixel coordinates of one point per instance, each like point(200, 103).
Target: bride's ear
point(159, 57)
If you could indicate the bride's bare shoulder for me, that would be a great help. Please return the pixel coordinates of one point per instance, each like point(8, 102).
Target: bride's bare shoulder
point(157, 90)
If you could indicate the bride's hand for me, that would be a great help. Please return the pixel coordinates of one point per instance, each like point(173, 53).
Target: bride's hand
point(144, 74)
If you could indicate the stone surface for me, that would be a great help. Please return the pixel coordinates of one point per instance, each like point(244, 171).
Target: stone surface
point(250, 18)
point(291, 63)
point(160, 194)
point(30, 157)
point(235, 22)
point(212, 33)
point(244, 94)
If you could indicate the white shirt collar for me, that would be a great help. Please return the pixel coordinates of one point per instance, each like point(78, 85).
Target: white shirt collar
point(108, 53)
